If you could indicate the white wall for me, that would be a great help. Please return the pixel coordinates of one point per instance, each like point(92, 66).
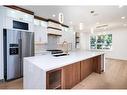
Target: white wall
point(119, 43)
point(84, 40)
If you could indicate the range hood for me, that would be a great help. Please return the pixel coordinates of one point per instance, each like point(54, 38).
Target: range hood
point(52, 31)
point(54, 28)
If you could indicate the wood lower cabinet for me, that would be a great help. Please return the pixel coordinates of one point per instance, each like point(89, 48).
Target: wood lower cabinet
point(86, 68)
point(70, 75)
point(76, 73)
point(67, 77)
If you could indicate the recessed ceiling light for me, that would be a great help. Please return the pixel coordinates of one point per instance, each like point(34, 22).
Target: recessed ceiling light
point(123, 17)
point(53, 15)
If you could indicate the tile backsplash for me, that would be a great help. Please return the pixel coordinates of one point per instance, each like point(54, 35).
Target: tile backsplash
point(40, 48)
point(52, 42)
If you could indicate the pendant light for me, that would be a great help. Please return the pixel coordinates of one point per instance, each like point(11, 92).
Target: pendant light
point(61, 18)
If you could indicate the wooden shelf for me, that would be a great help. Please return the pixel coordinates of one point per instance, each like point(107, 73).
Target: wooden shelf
point(38, 43)
point(55, 85)
point(77, 39)
point(54, 34)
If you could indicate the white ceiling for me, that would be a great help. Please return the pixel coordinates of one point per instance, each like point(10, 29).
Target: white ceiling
point(110, 15)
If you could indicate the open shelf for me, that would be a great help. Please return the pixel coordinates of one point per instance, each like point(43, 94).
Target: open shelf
point(77, 40)
point(53, 80)
point(55, 85)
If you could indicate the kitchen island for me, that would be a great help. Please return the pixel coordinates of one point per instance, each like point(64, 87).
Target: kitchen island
point(63, 72)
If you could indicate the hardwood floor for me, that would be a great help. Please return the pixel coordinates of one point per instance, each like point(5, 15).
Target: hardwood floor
point(15, 84)
point(115, 77)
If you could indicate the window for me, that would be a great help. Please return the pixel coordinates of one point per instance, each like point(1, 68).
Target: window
point(93, 42)
point(101, 41)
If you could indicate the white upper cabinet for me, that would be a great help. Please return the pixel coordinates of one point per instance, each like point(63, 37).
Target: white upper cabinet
point(19, 15)
point(11, 14)
point(40, 30)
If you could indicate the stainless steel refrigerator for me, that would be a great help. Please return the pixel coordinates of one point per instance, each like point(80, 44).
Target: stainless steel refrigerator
point(17, 45)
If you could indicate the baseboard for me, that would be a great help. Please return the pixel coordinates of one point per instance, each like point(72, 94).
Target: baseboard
point(116, 59)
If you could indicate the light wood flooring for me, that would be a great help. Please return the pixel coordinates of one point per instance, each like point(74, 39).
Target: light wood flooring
point(15, 84)
point(115, 77)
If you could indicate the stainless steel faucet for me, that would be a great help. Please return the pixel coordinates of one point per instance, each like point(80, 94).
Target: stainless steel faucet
point(65, 46)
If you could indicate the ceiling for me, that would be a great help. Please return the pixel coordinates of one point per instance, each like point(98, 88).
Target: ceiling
point(74, 15)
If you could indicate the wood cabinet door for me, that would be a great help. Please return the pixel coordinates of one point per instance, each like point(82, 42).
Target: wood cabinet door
point(76, 73)
point(67, 74)
point(70, 75)
point(86, 68)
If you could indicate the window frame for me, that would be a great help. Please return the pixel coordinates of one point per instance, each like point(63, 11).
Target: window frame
point(96, 43)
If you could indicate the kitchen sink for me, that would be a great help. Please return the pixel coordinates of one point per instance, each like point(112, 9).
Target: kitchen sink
point(60, 54)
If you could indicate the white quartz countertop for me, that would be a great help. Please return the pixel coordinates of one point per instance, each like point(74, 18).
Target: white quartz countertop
point(49, 62)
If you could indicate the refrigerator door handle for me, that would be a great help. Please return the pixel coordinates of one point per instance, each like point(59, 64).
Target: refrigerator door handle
point(20, 49)
point(20, 52)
